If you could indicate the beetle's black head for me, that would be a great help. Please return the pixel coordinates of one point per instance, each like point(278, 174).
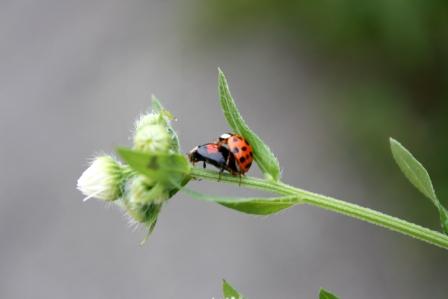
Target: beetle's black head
point(193, 155)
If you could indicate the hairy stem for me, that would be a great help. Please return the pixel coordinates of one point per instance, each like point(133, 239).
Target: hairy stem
point(331, 204)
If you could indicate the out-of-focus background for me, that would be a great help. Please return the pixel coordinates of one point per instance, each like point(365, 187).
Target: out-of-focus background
point(325, 83)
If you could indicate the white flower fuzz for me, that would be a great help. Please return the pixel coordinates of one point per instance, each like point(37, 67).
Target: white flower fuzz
point(102, 179)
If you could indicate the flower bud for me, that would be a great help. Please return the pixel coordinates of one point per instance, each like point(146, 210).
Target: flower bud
point(153, 133)
point(152, 138)
point(141, 190)
point(103, 179)
point(143, 201)
point(141, 193)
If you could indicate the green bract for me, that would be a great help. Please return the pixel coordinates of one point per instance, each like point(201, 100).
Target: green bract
point(167, 169)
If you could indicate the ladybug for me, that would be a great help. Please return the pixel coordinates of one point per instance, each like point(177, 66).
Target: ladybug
point(239, 148)
point(230, 152)
point(214, 154)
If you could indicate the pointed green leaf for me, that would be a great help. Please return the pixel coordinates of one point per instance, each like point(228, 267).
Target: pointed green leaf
point(323, 294)
point(263, 156)
point(416, 173)
point(165, 168)
point(249, 205)
point(261, 206)
point(413, 170)
point(229, 292)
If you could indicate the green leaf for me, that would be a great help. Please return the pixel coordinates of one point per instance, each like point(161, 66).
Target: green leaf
point(260, 206)
point(229, 292)
point(413, 170)
point(416, 173)
point(167, 168)
point(249, 205)
point(263, 156)
point(323, 294)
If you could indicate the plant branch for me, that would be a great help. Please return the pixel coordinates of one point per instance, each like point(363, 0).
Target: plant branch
point(331, 204)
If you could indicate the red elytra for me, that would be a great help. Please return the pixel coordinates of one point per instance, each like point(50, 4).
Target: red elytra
point(239, 148)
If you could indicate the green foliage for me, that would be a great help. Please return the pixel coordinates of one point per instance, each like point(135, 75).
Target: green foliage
point(155, 174)
point(249, 205)
point(263, 155)
point(416, 173)
point(324, 294)
point(229, 292)
point(169, 169)
point(396, 51)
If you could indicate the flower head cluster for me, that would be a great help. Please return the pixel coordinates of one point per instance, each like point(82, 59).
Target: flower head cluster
point(141, 196)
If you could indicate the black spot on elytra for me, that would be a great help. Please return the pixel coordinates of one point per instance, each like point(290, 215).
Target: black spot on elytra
point(242, 159)
point(236, 150)
point(244, 148)
point(251, 154)
point(153, 164)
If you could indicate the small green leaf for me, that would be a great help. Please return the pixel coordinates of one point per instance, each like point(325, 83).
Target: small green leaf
point(166, 168)
point(261, 206)
point(323, 294)
point(229, 292)
point(249, 205)
point(416, 173)
point(264, 157)
point(413, 170)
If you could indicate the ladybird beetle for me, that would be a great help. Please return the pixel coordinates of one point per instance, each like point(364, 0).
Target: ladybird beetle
point(214, 154)
point(239, 148)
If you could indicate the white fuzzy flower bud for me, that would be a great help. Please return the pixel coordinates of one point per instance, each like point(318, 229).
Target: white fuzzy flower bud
point(103, 179)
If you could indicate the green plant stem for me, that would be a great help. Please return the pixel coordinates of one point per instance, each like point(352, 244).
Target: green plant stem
point(331, 204)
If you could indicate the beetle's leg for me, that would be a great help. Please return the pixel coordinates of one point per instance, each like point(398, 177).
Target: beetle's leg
point(203, 165)
point(220, 173)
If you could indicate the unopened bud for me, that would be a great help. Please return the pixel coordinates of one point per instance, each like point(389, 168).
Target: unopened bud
point(103, 179)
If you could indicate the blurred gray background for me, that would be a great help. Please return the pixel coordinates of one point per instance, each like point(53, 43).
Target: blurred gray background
point(74, 75)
